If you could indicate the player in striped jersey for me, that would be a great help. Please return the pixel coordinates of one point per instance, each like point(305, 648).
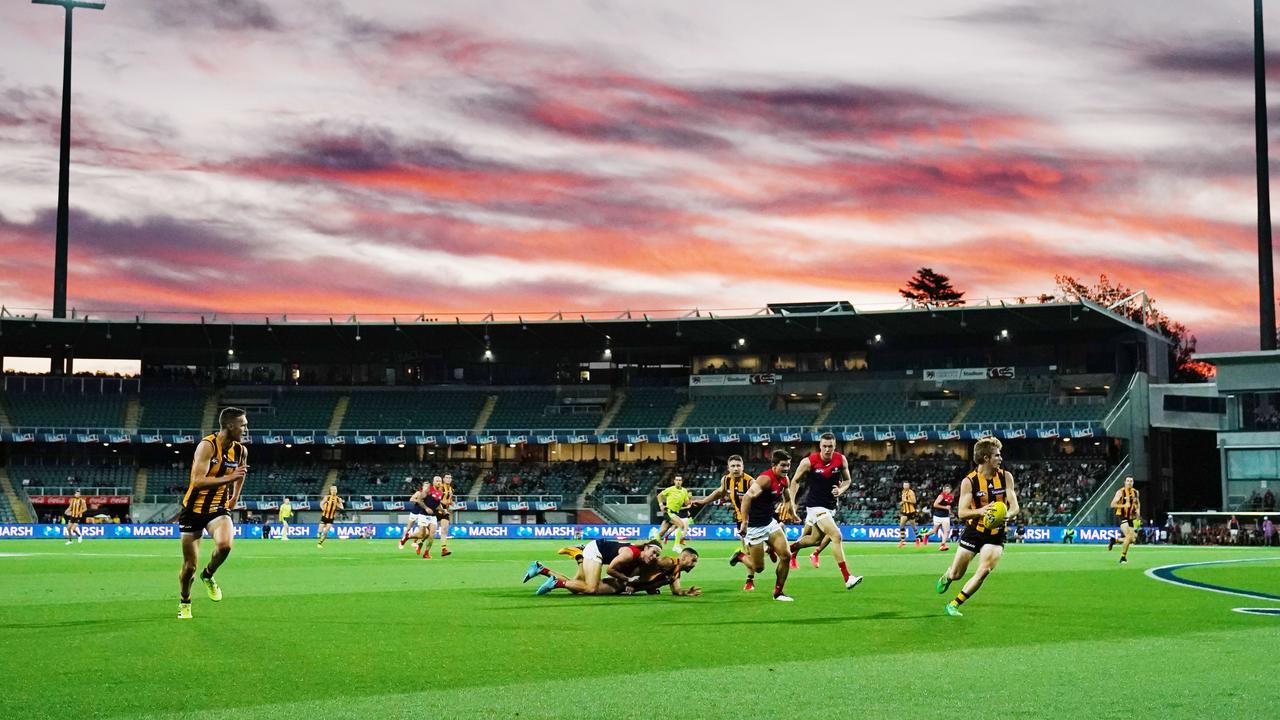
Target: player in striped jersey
point(329, 508)
point(907, 515)
point(217, 474)
point(733, 485)
point(1127, 508)
point(75, 515)
point(444, 514)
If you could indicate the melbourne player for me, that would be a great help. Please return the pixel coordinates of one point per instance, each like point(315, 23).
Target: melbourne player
point(75, 516)
point(217, 475)
point(981, 536)
point(766, 496)
point(665, 572)
point(907, 514)
point(419, 513)
point(329, 508)
point(825, 475)
point(733, 485)
point(941, 510)
point(1125, 503)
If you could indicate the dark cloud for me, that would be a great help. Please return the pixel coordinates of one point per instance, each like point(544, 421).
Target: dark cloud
point(1022, 15)
point(219, 14)
point(368, 148)
point(1227, 58)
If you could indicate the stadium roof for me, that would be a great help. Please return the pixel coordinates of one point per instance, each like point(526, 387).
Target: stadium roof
point(645, 337)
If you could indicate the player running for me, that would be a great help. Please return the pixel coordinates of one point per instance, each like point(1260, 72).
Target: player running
point(75, 516)
point(907, 516)
point(733, 485)
point(672, 503)
point(419, 514)
point(1125, 502)
point(623, 562)
point(825, 475)
point(765, 496)
point(445, 514)
point(941, 517)
point(217, 475)
point(329, 508)
point(980, 488)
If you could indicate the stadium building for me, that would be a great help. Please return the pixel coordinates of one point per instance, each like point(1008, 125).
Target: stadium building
point(579, 419)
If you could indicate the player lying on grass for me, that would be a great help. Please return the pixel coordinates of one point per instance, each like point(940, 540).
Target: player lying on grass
point(665, 573)
point(620, 561)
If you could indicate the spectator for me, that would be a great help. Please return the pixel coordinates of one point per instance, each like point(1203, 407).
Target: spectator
point(1268, 531)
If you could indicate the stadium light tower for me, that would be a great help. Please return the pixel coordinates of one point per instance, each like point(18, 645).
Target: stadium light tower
point(64, 156)
point(1266, 277)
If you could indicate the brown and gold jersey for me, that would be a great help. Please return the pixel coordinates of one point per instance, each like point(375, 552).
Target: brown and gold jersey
point(734, 489)
point(908, 502)
point(226, 458)
point(1128, 507)
point(76, 509)
point(986, 490)
point(329, 506)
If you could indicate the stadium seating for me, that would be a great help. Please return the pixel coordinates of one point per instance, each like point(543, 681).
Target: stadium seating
point(71, 409)
point(401, 478)
point(407, 410)
point(6, 512)
point(647, 408)
point(566, 478)
point(886, 409)
point(80, 475)
point(285, 479)
point(1030, 408)
point(637, 478)
point(529, 410)
point(292, 410)
point(170, 407)
point(738, 411)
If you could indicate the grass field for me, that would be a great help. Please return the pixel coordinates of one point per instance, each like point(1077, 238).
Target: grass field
point(359, 629)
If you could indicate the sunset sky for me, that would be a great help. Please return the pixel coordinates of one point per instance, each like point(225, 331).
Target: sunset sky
point(342, 157)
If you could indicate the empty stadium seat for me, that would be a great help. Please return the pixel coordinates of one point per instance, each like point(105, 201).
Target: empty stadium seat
point(174, 408)
point(742, 411)
point(408, 410)
point(69, 409)
point(647, 408)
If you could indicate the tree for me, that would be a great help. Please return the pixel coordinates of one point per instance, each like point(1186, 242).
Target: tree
point(1105, 293)
point(927, 287)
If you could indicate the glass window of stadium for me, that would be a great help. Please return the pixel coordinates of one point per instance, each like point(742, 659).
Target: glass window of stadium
point(1249, 474)
point(1260, 411)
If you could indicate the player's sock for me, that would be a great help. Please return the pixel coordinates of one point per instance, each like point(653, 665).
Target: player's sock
point(205, 574)
point(559, 583)
point(777, 589)
point(679, 538)
point(795, 546)
point(960, 598)
point(844, 570)
point(544, 570)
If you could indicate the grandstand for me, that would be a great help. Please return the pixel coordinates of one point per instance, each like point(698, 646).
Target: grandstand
point(647, 408)
point(413, 410)
point(69, 407)
point(739, 412)
point(881, 408)
point(82, 475)
point(167, 406)
point(529, 410)
point(285, 409)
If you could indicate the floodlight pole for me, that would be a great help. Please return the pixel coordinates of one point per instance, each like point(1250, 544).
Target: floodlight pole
point(64, 156)
point(1266, 277)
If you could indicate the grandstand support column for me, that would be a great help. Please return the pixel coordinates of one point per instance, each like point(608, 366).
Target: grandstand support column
point(140, 483)
point(1266, 276)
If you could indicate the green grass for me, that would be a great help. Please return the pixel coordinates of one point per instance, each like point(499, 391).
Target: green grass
point(362, 630)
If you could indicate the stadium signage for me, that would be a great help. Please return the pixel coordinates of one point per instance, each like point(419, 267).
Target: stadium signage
point(730, 437)
point(1046, 433)
point(666, 437)
point(87, 438)
point(635, 439)
point(90, 499)
point(760, 437)
point(17, 531)
point(366, 439)
point(1082, 432)
point(120, 438)
point(789, 437)
point(54, 437)
point(546, 439)
point(721, 380)
point(152, 439)
point(334, 440)
point(456, 439)
point(953, 374)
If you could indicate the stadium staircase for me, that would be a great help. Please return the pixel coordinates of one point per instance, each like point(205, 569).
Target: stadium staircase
point(619, 399)
point(482, 419)
point(132, 412)
point(590, 488)
point(965, 407)
point(824, 412)
point(4, 413)
point(209, 418)
point(477, 483)
point(1097, 509)
point(339, 414)
point(682, 414)
point(330, 477)
point(23, 512)
point(140, 482)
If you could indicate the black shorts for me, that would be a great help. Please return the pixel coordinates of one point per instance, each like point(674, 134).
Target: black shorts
point(444, 515)
point(973, 541)
point(1126, 521)
point(74, 520)
point(327, 520)
point(193, 522)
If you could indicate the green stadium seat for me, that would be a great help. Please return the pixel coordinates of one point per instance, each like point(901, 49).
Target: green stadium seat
point(647, 408)
point(71, 409)
point(742, 411)
point(173, 408)
point(410, 410)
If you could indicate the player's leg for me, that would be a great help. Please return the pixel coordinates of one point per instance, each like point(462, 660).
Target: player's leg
point(222, 530)
point(284, 529)
point(902, 530)
point(190, 557)
point(444, 538)
point(408, 528)
point(959, 566)
point(429, 538)
point(322, 533)
point(1129, 537)
point(831, 533)
point(915, 532)
point(782, 568)
point(944, 533)
point(661, 534)
point(682, 529)
point(988, 557)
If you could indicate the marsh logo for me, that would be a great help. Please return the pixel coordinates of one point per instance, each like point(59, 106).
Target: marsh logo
point(19, 531)
point(488, 531)
point(725, 531)
point(620, 531)
point(886, 532)
point(1038, 534)
point(1094, 534)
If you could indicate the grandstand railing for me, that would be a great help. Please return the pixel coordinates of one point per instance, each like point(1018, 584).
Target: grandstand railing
point(1096, 510)
point(73, 489)
point(612, 499)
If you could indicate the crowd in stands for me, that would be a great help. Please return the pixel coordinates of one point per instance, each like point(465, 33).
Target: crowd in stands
point(1262, 501)
point(636, 478)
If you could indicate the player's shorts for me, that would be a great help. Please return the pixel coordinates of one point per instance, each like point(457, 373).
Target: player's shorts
point(904, 519)
point(1126, 523)
point(75, 520)
point(591, 553)
point(682, 513)
point(973, 541)
point(1235, 532)
point(760, 535)
point(327, 520)
point(416, 519)
point(814, 514)
point(195, 523)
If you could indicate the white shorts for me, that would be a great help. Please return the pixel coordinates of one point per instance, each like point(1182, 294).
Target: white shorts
point(426, 521)
point(814, 514)
point(591, 553)
point(945, 522)
point(1234, 533)
point(760, 535)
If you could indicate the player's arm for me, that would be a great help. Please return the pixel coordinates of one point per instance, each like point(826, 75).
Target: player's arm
point(239, 484)
point(937, 503)
point(615, 569)
point(715, 494)
point(417, 497)
point(1115, 499)
point(963, 511)
point(691, 591)
point(845, 484)
point(757, 487)
point(200, 467)
point(1011, 493)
